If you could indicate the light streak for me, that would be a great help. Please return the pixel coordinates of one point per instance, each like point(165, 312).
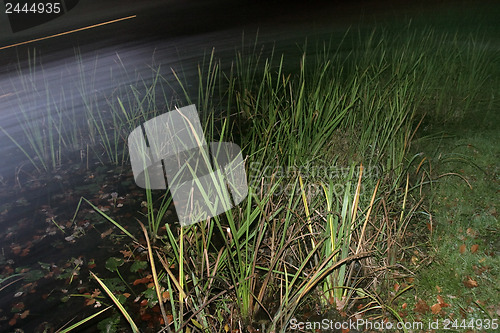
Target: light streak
point(68, 32)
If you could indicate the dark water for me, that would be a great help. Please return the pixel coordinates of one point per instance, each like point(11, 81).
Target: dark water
point(165, 35)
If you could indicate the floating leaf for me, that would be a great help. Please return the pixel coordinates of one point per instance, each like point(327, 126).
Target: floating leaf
point(143, 280)
point(24, 314)
point(107, 233)
point(113, 263)
point(138, 265)
point(89, 301)
point(126, 253)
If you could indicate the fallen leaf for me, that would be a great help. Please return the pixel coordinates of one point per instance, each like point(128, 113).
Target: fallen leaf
point(16, 249)
point(106, 233)
point(436, 308)
point(471, 232)
point(24, 314)
point(96, 293)
point(473, 248)
point(470, 283)
point(421, 307)
point(396, 286)
point(146, 317)
point(442, 302)
point(89, 301)
point(404, 306)
point(341, 303)
point(126, 254)
point(143, 280)
point(462, 249)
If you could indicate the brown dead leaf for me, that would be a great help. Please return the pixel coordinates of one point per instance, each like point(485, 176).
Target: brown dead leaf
point(96, 293)
point(396, 287)
point(462, 249)
point(481, 269)
point(421, 307)
point(474, 248)
point(144, 280)
point(127, 254)
point(436, 308)
point(89, 301)
point(340, 303)
point(24, 314)
point(16, 249)
point(470, 283)
point(106, 233)
point(439, 289)
point(442, 302)
point(471, 232)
